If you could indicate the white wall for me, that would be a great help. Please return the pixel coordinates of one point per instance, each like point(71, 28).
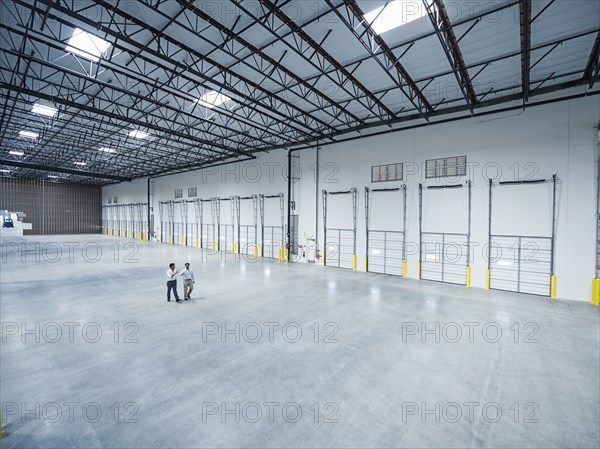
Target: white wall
point(558, 138)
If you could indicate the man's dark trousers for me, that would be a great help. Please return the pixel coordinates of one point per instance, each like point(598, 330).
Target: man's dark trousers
point(172, 285)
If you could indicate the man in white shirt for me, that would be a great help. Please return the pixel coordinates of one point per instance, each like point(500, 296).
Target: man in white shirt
point(172, 282)
point(188, 281)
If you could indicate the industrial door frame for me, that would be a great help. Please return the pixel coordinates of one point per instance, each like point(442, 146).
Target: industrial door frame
point(199, 212)
point(468, 184)
point(141, 214)
point(280, 252)
point(238, 209)
point(596, 280)
point(216, 210)
point(170, 231)
point(368, 193)
point(552, 237)
point(354, 193)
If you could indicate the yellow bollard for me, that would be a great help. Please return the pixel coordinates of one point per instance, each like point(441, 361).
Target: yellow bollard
point(287, 255)
point(553, 286)
point(182, 241)
point(404, 268)
point(468, 276)
point(353, 262)
point(214, 246)
point(366, 264)
point(487, 278)
point(255, 250)
point(596, 292)
point(419, 270)
point(196, 244)
point(232, 247)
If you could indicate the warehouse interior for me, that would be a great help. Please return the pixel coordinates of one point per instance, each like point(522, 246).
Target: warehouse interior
point(390, 211)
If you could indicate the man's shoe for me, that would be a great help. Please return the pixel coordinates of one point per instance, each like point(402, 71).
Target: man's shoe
point(178, 300)
point(168, 300)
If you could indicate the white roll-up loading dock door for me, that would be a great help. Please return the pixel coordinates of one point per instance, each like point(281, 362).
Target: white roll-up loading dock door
point(272, 235)
point(386, 249)
point(522, 240)
point(247, 234)
point(339, 243)
point(444, 251)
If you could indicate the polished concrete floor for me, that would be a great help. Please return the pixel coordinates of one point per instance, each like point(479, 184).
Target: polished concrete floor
point(276, 355)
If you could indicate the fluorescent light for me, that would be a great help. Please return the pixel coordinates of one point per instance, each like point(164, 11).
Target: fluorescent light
point(137, 134)
point(80, 163)
point(504, 263)
point(212, 99)
point(29, 134)
point(4, 170)
point(107, 150)
point(87, 45)
point(16, 153)
point(394, 14)
point(44, 110)
point(52, 176)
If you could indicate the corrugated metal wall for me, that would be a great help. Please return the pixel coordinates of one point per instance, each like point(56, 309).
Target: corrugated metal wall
point(53, 208)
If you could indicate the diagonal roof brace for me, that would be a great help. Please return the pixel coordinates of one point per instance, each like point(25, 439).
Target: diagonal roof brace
point(69, 171)
point(592, 69)
point(303, 35)
point(414, 93)
point(436, 10)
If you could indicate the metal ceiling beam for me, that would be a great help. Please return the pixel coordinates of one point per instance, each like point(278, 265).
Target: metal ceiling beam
point(199, 56)
point(231, 35)
point(443, 28)
point(138, 99)
point(64, 101)
point(318, 17)
point(462, 117)
point(318, 49)
point(525, 26)
point(392, 62)
point(161, 55)
point(182, 75)
point(48, 168)
point(592, 69)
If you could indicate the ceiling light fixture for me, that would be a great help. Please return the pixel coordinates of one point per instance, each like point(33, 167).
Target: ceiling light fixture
point(107, 150)
point(16, 153)
point(394, 14)
point(80, 163)
point(44, 110)
point(87, 45)
point(29, 134)
point(212, 99)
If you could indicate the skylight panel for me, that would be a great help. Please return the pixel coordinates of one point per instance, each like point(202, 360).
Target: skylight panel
point(48, 111)
point(212, 99)
point(87, 45)
point(394, 14)
point(137, 134)
point(29, 134)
